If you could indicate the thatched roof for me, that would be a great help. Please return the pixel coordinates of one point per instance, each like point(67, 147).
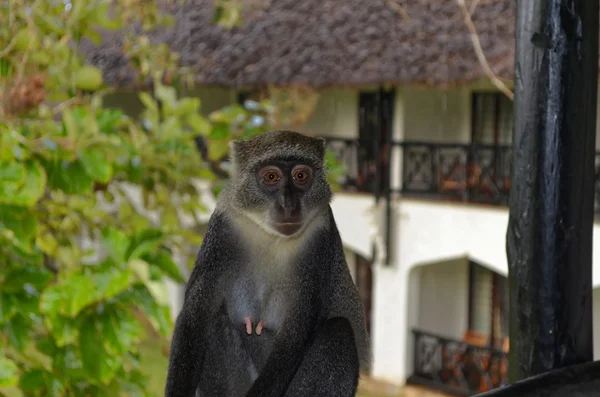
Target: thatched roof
point(333, 43)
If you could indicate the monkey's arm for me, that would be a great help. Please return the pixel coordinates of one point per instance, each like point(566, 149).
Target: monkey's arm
point(188, 346)
point(298, 329)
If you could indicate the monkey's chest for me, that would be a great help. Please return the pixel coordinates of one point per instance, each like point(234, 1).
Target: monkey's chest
point(262, 300)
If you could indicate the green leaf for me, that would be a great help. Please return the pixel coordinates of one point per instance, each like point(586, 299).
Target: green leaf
point(166, 95)
point(157, 289)
point(7, 142)
point(108, 120)
point(158, 315)
point(28, 302)
point(7, 307)
point(69, 296)
point(164, 261)
point(148, 102)
point(21, 221)
point(63, 329)
point(70, 177)
point(67, 361)
point(97, 362)
point(33, 380)
point(135, 170)
point(5, 67)
point(81, 293)
point(45, 344)
point(9, 372)
point(112, 283)
point(143, 242)
point(70, 123)
point(17, 330)
point(77, 291)
point(52, 300)
point(116, 243)
point(96, 165)
point(217, 150)
point(12, 171)
point(17, 279)
point(88, 78)
point(220, 131)
point(27, 191)
point(199, 124)
point(189, 105)
point(120, 329)
point(46, 242)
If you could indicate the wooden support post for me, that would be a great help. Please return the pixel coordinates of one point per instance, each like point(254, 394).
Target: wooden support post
point(549, 237)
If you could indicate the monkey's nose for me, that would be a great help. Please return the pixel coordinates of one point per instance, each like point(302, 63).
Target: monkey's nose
point(290, 211)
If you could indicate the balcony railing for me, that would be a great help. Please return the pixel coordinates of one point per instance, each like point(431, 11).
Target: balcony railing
point(360, 170)
point(449, 171)
point(455, 366)
point(464, 172)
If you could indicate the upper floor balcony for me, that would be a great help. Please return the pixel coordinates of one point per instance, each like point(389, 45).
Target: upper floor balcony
point(463, 172)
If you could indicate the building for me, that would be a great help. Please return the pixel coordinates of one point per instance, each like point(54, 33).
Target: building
point(405, 103)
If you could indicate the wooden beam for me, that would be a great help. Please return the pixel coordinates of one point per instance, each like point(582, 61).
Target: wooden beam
point(549, 237)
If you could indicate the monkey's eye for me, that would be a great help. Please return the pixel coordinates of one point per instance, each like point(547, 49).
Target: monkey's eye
point(301, 175)
point(270, 176)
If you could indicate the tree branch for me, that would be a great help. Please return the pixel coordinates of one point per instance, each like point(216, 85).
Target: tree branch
point(399, 9)
point(479, 51)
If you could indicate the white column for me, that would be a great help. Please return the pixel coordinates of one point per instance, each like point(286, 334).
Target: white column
point(391, 324)
point(397, 135)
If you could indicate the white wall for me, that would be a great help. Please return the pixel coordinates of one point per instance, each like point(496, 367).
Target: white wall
point(335, 115)
point(444, 297)
point(353, 214)
point(437, 115)
point(429, 232)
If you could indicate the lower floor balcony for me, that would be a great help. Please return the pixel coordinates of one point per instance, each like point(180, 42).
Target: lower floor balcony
point(459, 367)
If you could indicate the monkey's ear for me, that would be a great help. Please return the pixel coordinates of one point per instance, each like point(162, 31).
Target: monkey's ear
point(235, 149)
point(322, 147)
point(235, 152)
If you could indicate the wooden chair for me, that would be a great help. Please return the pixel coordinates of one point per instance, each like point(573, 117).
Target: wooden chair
point(455, 360)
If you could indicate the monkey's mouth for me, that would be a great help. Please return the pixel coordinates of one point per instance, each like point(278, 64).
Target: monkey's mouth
point(287, 228)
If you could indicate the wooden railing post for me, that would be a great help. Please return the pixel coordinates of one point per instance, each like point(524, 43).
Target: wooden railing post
point(549, 238)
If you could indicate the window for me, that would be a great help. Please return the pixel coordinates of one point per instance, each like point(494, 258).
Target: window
point(491, 118)
point(375, 124)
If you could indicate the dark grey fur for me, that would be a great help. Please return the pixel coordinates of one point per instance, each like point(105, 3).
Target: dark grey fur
point(315, 341)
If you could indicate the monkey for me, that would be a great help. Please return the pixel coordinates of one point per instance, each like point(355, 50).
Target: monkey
point(270, 307)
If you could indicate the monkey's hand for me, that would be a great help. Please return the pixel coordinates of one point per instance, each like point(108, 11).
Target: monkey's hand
point(248, 323)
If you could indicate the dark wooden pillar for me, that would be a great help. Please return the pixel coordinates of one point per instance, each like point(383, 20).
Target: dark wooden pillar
point(549, 237)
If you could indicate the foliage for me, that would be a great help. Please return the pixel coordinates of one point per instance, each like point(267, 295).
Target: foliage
point(83, 262)
point(228, 13)
point(92, 201)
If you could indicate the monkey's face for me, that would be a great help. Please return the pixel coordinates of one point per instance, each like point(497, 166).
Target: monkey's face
point(279, 180)
point(291, 194)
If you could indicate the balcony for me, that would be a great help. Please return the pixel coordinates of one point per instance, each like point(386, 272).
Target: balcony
point(361, 169)
point(458, 172)
point(472, 173)
point(457, 367)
